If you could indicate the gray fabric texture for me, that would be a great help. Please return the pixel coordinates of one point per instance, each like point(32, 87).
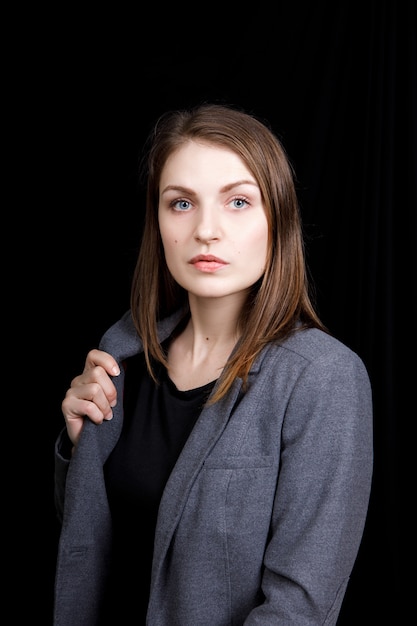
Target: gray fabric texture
point(262, 517)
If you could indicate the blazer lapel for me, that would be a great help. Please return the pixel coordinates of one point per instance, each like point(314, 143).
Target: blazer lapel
point(206, 432)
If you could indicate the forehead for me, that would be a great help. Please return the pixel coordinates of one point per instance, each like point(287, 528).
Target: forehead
point(204, 159)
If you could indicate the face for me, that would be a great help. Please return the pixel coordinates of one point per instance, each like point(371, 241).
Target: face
point(212, 221)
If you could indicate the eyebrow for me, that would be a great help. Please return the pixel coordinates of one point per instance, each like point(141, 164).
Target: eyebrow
point(228, 187)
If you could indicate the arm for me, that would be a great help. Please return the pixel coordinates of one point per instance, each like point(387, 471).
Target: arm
point(92, 394)
point(322, 495)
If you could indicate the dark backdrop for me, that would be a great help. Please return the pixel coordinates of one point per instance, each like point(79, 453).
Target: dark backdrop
point(337, 82)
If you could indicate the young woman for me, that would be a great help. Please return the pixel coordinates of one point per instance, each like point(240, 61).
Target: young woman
point(215, 465)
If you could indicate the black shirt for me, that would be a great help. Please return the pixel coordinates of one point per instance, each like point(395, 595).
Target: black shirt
point(157, 422)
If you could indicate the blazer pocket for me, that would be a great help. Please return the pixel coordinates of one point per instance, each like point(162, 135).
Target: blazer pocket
point(239, 462)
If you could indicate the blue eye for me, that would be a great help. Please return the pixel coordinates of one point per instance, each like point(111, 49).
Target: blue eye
point(181, 205)
point(239, 203)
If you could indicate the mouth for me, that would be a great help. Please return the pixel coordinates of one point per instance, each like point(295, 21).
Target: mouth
point(207, 263)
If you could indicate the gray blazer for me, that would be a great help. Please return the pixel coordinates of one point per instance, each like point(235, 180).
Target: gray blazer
point(262, 517)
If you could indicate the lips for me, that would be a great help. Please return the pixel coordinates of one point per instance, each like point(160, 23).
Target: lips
point(207, 263)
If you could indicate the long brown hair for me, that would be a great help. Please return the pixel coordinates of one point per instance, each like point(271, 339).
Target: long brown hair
point(280, 301)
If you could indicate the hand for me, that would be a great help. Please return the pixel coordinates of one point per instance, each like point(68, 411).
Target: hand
point(92, 394)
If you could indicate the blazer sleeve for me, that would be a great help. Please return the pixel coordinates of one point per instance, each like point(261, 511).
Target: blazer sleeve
point(322, 494)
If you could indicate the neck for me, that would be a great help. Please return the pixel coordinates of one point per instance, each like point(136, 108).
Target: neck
point(214, 321)
point(199, 354)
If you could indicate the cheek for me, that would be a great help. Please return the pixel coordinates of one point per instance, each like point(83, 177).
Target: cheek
point(257, 241)
point(169, 237)
point(252, 250)
point(172, 232)
point(172, 247)
point(173, 242)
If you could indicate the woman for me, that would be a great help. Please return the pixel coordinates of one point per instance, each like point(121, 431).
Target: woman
point(215, 465)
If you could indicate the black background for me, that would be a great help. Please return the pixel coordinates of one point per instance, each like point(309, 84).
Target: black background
point(337, 83)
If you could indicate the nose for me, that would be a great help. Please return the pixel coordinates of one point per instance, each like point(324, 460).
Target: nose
point(207, 228)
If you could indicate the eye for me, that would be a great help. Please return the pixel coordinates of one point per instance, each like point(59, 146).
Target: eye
point(180, 205)
point(239, 203)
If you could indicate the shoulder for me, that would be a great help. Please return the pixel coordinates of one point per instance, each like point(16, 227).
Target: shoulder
point(122, 339)
point(311, 344)
point(314, 354)
point(322, 384)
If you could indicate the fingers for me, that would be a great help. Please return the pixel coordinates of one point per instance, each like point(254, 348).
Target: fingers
point(103, 359)
point(92, 394)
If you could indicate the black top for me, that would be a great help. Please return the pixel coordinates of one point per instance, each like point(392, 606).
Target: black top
point(157, 422)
